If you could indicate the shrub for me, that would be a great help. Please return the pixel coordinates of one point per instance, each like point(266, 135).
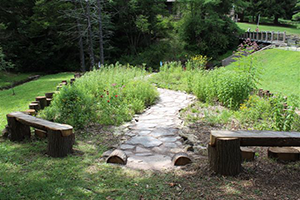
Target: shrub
point(110, 95)
point(230, 88)
point(71, 106)
point(139, 94)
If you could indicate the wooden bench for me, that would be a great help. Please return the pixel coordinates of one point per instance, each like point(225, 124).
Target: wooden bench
point(224, 152)
point(60, 136)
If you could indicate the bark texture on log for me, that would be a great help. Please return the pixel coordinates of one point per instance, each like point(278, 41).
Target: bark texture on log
point(17, 130)
point(34, 106)
point(117, 157)
point(48, 101)
point(58, 145)
point(225, 157)
point(42, 100)
point(181, 159)
point(284, 153)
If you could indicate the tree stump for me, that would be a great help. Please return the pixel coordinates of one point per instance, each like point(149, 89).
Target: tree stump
point(284, 153)
point(65, 82)
point(59, 145)
point(40, 133)
point(247, 154)
point(17, 131)
point(225, 157)
point(42, 100)
point(72, 81)
point(117, 157)
point(48, 100)
point(58, 88)
point(34, 106)
point(181, 159)
point(30, 112)
point(49, 95)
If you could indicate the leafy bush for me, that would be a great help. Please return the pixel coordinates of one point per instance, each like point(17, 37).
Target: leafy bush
point(268, 114)
point(230, 88)
point(71, 106)
point(110, 95)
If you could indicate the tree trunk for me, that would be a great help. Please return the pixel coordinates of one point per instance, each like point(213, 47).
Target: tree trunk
point(17, 130)
point(80, 43)
point(225, 157)
point(90, 35)
point(58, 145)
point(276, 17)
point(100, 33)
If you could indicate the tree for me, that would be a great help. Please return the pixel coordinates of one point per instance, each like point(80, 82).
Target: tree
point(296, 15)
point(279, 8)
point(206, 29)
point(4, 64)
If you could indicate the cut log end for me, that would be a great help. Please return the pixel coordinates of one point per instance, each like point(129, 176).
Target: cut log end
point(49, 95)
point(30, 112)
point(247, 154)
point(284, 153)
point(117, 157)
point(181, 159)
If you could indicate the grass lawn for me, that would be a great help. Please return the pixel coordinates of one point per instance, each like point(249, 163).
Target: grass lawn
point(280, 71)
point(6, 79)
point(26, 93)
point(288, 30)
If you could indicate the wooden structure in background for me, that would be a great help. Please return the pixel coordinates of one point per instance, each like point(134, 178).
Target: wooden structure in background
point(224, 149)
point(60, 136)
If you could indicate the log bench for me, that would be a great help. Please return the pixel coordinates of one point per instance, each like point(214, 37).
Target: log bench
point(60, 136)
point(224, 152)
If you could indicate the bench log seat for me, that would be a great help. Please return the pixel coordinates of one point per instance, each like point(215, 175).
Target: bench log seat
point(60, 136)
point(224, 152)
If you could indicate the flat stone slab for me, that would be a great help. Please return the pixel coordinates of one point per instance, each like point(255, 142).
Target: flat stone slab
point(155, 133)
point(160, 132)
point(146, 141)
point(126, 147)
point(169, 139)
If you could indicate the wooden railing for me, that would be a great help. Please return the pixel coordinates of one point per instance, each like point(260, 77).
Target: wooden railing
point(265, 36)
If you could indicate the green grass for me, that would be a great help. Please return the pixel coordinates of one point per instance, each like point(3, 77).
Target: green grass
point(280, 71)
point(26, 93)
point(6, 79)
point(27, 173)
point(288, 30)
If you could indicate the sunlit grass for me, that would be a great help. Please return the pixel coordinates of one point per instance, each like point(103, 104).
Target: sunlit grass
point(26, 93)
point(288, 30)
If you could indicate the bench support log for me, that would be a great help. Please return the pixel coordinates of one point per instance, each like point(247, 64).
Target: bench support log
point(58, 145)
point(225, 157)
point(17, 130)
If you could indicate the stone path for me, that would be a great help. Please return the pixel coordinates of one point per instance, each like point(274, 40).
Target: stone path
point(153, 135)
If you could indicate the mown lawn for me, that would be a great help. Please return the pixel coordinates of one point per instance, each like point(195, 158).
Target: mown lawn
point(280, 71)
point(288, 30)
point(26, 93)
point(6, 79)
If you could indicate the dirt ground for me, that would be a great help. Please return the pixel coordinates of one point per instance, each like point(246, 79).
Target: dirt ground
point(262, 178)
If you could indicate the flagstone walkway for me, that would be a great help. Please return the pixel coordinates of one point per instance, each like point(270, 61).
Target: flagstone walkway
point(153, 135)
